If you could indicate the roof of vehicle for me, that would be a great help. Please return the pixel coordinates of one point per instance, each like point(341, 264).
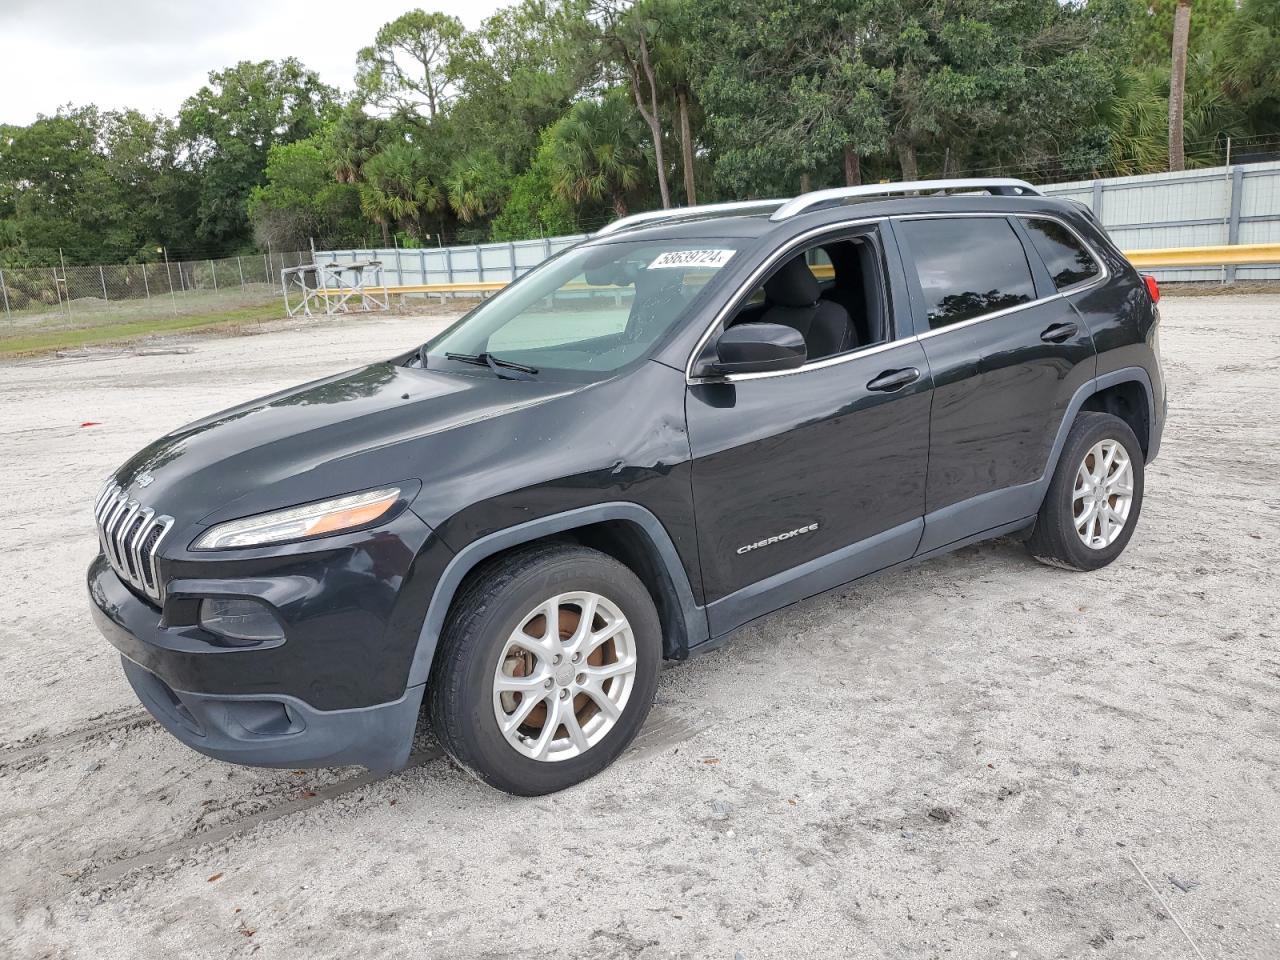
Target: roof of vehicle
point(757, 218)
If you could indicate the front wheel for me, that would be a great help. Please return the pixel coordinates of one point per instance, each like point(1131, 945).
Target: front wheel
point(548, 668)
point(1094, 499)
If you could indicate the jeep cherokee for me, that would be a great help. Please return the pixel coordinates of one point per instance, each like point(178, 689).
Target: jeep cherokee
point(684, 423)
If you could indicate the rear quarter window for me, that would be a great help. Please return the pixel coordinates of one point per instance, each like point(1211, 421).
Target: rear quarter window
point(1068, 259)
point(968, 267)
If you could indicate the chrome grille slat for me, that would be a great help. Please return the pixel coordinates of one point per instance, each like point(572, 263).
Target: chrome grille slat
point(125, 527)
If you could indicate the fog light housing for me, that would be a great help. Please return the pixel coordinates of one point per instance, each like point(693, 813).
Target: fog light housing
point(247, 621)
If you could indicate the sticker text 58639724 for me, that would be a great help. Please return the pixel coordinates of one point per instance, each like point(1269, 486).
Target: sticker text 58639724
point(707, 259)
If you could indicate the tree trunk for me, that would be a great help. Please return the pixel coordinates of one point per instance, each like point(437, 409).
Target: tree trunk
point(806, 183)
point(686, 146)
point(907, 160)
point(1178, 82)
point(619, 206)
point(650, 115)
point(852, 168)
point(386, 234)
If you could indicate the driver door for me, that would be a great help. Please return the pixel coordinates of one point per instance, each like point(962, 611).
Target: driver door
point(809, 478)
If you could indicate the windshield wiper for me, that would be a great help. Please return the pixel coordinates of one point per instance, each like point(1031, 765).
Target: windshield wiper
point(495, 364)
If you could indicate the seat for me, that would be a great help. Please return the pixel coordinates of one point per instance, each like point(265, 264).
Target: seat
point(794, 298)
point(853, 263)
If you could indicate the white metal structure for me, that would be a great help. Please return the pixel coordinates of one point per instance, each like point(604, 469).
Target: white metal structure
point(334, 288)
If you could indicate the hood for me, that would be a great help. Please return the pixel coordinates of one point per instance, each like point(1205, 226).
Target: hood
point(348, 432)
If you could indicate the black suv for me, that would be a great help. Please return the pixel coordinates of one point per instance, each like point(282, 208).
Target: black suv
point(693, 419)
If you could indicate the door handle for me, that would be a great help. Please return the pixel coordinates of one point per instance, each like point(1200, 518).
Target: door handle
point(1059, 332)
point(892, 380)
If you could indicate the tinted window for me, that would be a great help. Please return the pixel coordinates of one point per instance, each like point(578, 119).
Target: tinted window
point(1065, 256)
point(968, 266)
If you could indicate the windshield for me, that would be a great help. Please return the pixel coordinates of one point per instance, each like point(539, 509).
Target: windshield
point(591, 310)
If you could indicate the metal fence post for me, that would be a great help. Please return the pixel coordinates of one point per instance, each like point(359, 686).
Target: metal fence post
point(146, 285)
point(102, 275)
point(65, 284)
point(173, 297)
point(448, 263)
point(1233, 227)
point(1097, 199)
point(480, 267)
point(511, 254)
point(546, 247)
point(399, 267)
point(4, 290)
point(213, 271)
point(240, 269)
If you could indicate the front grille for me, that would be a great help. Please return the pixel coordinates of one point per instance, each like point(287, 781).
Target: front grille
point(130, 535)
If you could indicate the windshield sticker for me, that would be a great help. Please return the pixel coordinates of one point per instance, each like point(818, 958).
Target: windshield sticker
point(710, 259)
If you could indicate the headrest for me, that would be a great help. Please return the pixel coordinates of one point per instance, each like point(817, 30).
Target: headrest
point(794, 285)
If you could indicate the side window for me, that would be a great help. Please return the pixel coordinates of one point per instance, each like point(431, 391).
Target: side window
point(968, 267)
point(1068, 260)
point(833, 292)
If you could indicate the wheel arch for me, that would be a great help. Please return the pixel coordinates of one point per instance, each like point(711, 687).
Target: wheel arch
point(1130, 401)
point(625, 531)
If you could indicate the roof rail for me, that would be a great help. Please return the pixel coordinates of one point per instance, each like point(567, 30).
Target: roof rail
point(678, 213)
point(999, 186)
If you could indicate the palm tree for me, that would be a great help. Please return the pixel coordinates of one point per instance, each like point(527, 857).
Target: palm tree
point(596, 152)
point(1178, 82)
point(398, 189)
point(475, 185)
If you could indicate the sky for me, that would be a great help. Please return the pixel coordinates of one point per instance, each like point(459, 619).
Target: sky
point(153, 54)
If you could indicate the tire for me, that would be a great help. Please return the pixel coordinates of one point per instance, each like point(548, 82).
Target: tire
point(1057, 540)
point(494, 618)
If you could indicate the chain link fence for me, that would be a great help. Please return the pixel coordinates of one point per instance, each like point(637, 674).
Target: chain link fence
point(160, 295)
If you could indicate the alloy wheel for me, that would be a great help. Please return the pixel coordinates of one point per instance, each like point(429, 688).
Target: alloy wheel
point(1103, 494)
point(564, 676)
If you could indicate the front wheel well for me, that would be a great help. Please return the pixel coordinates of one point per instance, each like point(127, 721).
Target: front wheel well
point(1128, 401)
point(630, 545)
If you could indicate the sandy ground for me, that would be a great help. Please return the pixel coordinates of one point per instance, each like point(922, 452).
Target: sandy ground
point(980, 757)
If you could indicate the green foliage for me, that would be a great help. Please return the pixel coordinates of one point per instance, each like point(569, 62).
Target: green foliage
point(300, 201)
point(1154, 27)
point(596, 154)
point(402, 189)
point(534, 208)
point(230, 126)
point(406, 70)
point(1249, 57)
point(555, 115)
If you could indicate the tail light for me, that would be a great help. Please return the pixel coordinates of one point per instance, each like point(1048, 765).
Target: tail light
point(1153, 288)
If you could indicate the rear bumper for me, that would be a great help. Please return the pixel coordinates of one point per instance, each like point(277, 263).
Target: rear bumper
point(281, 731)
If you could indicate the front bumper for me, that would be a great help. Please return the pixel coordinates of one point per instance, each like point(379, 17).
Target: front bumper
point(281, 731)
point(333, 691)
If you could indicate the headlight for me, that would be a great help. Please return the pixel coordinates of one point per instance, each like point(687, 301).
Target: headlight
point(300, 523)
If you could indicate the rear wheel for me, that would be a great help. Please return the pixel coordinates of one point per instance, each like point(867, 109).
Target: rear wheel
point(548, 668)
point(1094, 499)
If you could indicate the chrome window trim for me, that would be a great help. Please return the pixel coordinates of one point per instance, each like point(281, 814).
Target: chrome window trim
point(752, 281)
point(1102, 277)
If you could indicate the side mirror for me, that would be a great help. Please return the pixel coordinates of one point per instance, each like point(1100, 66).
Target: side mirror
point(757, 348)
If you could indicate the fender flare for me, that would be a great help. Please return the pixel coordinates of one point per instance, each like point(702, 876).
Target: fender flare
point(465, 560)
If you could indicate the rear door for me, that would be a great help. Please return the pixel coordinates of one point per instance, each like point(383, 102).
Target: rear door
point(1007, 353)
point(806, 479)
